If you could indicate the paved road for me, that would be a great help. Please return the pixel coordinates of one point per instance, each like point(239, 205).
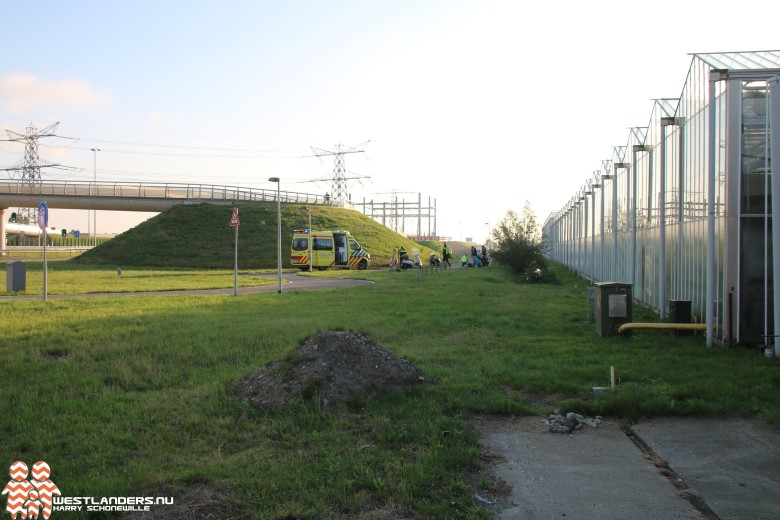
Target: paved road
point(291, 282)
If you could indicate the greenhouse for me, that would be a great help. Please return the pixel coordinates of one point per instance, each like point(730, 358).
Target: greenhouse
point(683, 210)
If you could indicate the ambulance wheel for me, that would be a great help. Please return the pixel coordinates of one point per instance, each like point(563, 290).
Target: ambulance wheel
point(362, 265)
point(321, 268)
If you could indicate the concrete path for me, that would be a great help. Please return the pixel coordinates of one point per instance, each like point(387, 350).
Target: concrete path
point(733, 464)
point(670, 469)
point(290, 282)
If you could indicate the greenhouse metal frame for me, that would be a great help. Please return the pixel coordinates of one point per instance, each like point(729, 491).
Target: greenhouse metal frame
point(683, 210)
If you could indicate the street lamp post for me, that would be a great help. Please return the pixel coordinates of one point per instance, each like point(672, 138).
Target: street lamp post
point(94, 211)
point(278, 230)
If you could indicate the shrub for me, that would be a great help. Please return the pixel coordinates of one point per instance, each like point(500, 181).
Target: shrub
point(518, 245)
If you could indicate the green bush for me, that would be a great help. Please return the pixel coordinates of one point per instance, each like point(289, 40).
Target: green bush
point(518, 245)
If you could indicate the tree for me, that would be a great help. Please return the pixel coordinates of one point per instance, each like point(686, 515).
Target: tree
point(518, 245)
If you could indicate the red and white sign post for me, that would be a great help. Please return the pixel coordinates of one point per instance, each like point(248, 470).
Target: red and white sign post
point(234, 223)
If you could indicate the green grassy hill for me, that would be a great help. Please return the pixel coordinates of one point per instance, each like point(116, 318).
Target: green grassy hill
point(199, 237)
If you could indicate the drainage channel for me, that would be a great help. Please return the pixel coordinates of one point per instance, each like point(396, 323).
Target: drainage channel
point(683, 489)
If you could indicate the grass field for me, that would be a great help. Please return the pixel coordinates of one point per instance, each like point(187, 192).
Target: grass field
point(135, 396)
point(70, 278)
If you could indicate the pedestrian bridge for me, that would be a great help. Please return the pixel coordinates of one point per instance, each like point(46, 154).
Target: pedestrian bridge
point(139, 196)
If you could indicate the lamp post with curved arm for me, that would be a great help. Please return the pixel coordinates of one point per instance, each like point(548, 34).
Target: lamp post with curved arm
point(94, 211)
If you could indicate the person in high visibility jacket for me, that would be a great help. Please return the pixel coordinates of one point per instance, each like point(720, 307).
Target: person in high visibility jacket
point(446, 254)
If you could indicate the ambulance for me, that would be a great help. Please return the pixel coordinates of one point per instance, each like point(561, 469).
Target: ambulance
point(336, 249)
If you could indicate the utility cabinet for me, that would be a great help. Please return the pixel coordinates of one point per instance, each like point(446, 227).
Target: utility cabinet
point(15, 277)
point(680, 312)
point(614, 306)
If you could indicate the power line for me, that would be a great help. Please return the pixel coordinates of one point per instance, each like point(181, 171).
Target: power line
point(191, 147)
point(29, 170)
point(202, 156)
point(339, 178)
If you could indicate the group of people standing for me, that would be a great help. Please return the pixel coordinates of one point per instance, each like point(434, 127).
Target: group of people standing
point(479, 257)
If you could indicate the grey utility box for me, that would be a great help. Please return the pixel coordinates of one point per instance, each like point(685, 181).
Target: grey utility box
point(680, 312)
point(614, 303)
point(15, 276)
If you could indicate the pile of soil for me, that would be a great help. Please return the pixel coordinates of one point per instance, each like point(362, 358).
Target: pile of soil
point(330, 367)
point(198, 501)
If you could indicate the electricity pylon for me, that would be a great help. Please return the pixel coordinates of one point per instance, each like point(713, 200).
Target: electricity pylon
point(339, 179)
point(29, 170)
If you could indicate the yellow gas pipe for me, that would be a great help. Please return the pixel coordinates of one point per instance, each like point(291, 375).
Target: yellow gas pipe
point(663, 326)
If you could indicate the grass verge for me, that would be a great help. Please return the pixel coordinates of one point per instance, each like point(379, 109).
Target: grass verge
point(71, 278)
point(131, 396)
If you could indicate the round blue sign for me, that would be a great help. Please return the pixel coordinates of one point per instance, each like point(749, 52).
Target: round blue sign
point(43, 215)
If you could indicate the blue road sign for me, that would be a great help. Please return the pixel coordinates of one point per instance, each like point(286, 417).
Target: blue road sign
point(76, 233)
point(43, 215)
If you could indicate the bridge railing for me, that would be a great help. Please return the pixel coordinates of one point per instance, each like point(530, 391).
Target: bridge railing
point(168, 191)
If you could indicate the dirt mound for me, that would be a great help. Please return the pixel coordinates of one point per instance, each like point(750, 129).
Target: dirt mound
point(194, 502)
point(330, 367)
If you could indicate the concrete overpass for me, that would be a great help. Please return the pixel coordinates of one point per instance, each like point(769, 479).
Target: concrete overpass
point(135, 196)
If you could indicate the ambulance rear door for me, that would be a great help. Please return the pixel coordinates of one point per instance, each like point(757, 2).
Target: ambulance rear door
point(340, 241)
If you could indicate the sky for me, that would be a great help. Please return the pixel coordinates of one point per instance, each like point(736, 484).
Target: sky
point(479, 105)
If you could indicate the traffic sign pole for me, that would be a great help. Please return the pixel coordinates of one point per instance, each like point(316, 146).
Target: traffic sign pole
point(45, 266)
point(234, 222)
point(43, 221)
point(235, 267)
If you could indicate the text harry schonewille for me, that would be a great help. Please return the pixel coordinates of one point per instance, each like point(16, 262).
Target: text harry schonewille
point(136, 504)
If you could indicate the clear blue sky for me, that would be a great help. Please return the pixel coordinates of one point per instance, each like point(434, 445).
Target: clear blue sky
point(480, 104)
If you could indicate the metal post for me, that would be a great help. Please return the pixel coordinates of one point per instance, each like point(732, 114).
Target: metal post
point(578, 216)
point(235, 266)
point(635, 150)
point(94, 211)
point(435, 218)
point(615, 264)
point(419, 214)
point(630, 181)
point(588, 267)
point(45, 265)
point(615, 168)
point(681, 257)
point(310, 240)
point(593, 230)
point(662, 228)
point(278, 231)
point(712, 153)
point(2, 231)
point(601, 256)
point(774, 129)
